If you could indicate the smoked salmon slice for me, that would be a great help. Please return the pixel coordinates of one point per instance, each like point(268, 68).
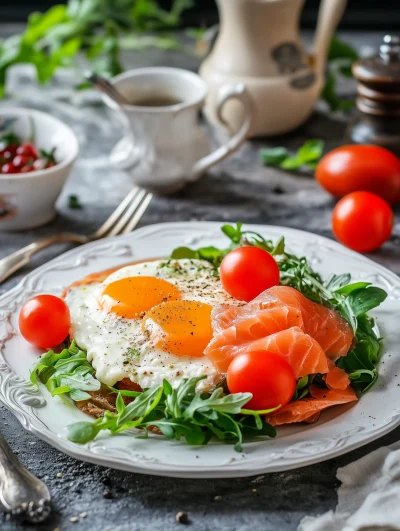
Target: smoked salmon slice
point(337, 378)
point(308, 409)
point(303, 353)
point(279, 308)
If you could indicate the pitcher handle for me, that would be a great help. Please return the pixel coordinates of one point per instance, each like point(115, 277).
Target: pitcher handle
point(226, 93)
point(329, 16)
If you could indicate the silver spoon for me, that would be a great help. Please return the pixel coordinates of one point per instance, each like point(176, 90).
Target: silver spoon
point(102, 84)
point(22, 494)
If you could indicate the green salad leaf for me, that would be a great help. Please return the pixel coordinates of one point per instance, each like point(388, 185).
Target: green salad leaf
point(67, 374)
point(181, 413)
point(308, 155)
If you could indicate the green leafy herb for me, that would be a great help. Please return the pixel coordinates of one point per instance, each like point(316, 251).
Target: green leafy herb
point(99, 29)
point(67, 374)
point(341, 56)
point(302, 387)
point(308, 155)
point(74, 203)
point(181, 413)
point(273, 156)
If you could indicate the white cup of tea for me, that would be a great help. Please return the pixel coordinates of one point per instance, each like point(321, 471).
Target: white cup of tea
point(163, 147)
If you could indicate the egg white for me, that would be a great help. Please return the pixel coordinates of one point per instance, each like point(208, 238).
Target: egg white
point(117, 346)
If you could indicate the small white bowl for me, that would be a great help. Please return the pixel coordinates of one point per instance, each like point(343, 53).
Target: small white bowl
point(27, 200)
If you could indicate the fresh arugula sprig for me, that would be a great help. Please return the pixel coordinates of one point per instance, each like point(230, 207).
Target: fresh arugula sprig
point(67, 374)
point(352, 300)
point(307, 155)
point(180, 413)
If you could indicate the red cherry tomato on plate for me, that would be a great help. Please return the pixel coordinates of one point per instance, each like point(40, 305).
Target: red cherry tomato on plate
point(44, 321)
point(362, 221)
point(268, 376)
point(360, 167)
point(248, 271)
point(27, 149)
point(9, 167)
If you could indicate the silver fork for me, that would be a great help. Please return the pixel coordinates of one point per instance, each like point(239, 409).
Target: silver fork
point(123, 220)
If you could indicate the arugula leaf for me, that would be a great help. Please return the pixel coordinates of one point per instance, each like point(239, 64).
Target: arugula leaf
point(180, 413)
point(307, 155)
point(273, 156)
point(349, 288)
point(365, 299)
point(302, 387)
point(176, 428)
point(231, 403)
point(67, 374)
point(83, 432)
point(184, 252)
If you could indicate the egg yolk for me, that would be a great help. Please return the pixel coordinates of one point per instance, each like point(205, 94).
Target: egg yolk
point(130, 297)
point(181, 327)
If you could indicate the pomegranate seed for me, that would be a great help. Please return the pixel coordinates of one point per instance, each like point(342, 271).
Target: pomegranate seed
point(27, 149)
point(9, 168)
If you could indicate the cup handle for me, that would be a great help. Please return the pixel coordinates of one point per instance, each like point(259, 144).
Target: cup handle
point(226, 93)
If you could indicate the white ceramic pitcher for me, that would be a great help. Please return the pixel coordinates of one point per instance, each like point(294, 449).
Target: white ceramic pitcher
point(259, 45)
point(164, 147)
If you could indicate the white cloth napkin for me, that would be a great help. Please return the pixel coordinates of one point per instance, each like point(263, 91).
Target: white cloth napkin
point(369, 497)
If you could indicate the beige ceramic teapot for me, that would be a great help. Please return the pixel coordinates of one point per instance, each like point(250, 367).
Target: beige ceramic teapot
point(259, 44)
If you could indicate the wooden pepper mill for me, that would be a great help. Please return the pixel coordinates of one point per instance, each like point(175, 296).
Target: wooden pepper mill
point(378, 100)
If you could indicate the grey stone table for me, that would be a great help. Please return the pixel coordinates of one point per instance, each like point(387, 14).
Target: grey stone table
point(238, 190)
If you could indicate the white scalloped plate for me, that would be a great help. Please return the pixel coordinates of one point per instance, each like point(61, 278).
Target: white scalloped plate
point(338, 431)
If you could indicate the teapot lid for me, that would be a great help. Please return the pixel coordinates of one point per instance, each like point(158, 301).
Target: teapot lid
point(382, 68)
point(378, 90)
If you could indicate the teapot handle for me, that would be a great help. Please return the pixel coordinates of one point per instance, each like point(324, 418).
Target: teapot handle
point(330, 13)
point(225, 93)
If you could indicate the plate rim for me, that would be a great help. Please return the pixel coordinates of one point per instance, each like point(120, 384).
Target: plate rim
point(83, 453)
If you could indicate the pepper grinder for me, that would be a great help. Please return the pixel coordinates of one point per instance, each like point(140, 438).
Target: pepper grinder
point(378, 97)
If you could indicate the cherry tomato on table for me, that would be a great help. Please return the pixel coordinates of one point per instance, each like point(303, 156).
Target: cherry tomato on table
point(44, 321)
point(248, 271)
point(362, 221)
point(360, 167)
point(268, 376)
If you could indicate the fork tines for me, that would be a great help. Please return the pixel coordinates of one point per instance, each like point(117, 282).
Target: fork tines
point(127, 215)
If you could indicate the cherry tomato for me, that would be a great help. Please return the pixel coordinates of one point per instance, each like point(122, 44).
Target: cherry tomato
point(21, 160)
point(268, 376)
point(44, 321)
point(248, 271)
point(9, 167)
point(362, 221)
point(27, 149)
point(360, 167)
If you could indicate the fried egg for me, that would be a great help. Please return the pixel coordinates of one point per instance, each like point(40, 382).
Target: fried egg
point(149, 321)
